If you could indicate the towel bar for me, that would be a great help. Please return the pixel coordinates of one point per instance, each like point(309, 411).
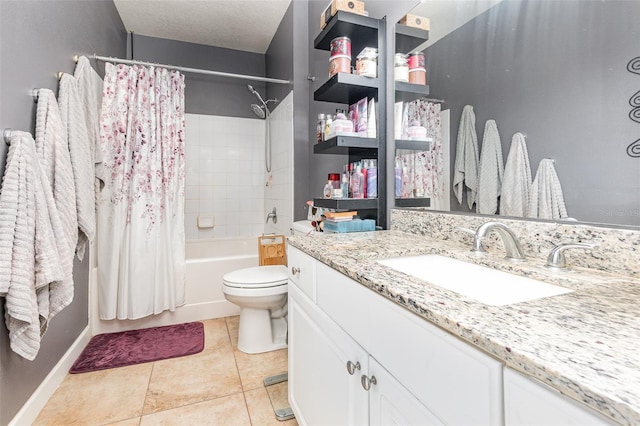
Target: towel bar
point(6, 134)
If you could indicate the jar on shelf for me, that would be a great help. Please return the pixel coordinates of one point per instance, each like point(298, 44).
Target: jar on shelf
point(340, 60)
point(417, 71)
point(401, 68)
point(320, 128)
point(367, 62)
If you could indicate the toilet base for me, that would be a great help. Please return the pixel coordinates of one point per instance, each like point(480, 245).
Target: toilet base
point(259, 333)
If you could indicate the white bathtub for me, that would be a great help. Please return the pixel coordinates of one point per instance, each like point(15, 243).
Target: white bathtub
point(206, 263)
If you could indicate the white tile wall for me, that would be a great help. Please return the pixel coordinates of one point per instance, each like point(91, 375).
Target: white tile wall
point(280, 193)
point(224, 175)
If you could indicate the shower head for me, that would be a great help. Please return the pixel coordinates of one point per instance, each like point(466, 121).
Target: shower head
point(256, 94)
point(259, 110)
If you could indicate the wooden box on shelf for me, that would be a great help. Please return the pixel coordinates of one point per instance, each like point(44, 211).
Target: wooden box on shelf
point(416, 21)
point(353, 6)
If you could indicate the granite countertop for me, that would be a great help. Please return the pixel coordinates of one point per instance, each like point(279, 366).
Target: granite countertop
point(586, 344)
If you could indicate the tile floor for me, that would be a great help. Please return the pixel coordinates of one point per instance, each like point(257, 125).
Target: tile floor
point(218, 386)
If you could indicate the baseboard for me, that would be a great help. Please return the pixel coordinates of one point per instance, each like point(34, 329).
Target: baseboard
point(30, 410)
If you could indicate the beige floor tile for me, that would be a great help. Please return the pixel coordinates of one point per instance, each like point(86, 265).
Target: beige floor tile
point(92, 398)
point(195, 378)
point(233, 324)
point(261, 410)
point(255, 368)
point(129, 422)
point(229, 410)
point(216, 335)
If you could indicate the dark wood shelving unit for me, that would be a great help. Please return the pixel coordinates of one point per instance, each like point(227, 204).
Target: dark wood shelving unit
point(347, 203)
point(347, 89)
point(344, 145)
point(413, 202)
point(409, 38)
point(407, 92)
point(362, 30)
point(413, 145)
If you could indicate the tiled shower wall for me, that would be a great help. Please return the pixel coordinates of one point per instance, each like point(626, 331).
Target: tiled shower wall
point(280, 193)
point(224, 176)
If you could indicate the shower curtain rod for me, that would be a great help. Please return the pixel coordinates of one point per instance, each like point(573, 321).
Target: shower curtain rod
point(192, 70)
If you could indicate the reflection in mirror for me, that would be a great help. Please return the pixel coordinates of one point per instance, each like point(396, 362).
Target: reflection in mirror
point(559, 72)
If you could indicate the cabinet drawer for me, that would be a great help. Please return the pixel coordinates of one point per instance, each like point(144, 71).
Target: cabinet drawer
point(302, 271)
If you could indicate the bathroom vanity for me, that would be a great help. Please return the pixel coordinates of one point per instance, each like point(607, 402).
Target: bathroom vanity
point(371, 345)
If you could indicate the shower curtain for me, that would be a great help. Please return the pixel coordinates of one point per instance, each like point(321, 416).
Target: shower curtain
point(140, 241)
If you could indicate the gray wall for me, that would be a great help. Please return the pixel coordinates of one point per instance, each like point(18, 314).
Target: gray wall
point(40, 38)
point(288, 58)
point(206, 94)
point(555, 71)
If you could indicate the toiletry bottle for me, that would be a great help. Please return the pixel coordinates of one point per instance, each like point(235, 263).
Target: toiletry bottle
point(372, 179)
point(320, 128)
point(398, 178)
point(363, 171)
point(327, 189)
point(344, 183)
point(327, 126)
point(357, 182)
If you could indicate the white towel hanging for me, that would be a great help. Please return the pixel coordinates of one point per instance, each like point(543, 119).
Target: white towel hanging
point(546, 200)
point(466, 163)
point(491, 170)
point(516, 182)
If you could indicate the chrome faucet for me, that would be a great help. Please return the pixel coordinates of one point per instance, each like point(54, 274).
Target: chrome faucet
point(273, 215)
point(556, 259)
point(509, 239)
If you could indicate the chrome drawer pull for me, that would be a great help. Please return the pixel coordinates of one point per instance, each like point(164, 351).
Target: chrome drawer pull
point(295, 270)
point(367, 382)
point(351, 367)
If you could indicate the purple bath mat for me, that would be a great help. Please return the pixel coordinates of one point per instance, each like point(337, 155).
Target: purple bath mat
point(138, 346)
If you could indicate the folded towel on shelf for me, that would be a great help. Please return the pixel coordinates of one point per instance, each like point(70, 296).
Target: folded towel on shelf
point(466, 162)
point(53, 154)
point(74, 121)
point(491, 170)
point(29, 257)
point(516, 181)
point(546, 200)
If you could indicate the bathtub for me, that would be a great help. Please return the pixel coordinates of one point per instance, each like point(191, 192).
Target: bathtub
point(206, 263)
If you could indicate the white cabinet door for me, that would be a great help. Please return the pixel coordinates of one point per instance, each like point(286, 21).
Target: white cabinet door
point(391, 404)
point(528, 402)
point(321, 390)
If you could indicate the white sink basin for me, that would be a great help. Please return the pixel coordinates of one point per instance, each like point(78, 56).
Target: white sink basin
point(486, 285)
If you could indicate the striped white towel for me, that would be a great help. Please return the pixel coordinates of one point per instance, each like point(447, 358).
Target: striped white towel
point(466, 163)
point(516, 181)
point(29, 229)
point(491, 170)
point(53, 154)
point(73, 119)
point(546, 200)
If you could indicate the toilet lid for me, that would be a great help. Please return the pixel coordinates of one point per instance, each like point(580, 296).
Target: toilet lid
point(257, 277)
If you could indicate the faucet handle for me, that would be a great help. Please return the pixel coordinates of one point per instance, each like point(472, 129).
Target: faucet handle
point(466, 230)
point(556, 257)
point(473, 235)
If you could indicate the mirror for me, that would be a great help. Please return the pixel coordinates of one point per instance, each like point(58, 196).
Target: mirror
point(565, 73)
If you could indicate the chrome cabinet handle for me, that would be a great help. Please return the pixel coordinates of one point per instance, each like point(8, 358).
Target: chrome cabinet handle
point(351, 367)
point(367, 382)
point(295, 270)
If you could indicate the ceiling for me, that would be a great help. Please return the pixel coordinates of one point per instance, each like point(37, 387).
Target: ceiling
point(250, 25)
point(247, 25)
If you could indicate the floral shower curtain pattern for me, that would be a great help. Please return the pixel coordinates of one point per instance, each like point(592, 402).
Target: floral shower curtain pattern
point(424, 177)
point(140, 242)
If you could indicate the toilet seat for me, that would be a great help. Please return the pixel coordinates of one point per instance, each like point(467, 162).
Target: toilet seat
point(257, 277)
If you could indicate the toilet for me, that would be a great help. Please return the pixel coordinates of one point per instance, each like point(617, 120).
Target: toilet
point(261, 294)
